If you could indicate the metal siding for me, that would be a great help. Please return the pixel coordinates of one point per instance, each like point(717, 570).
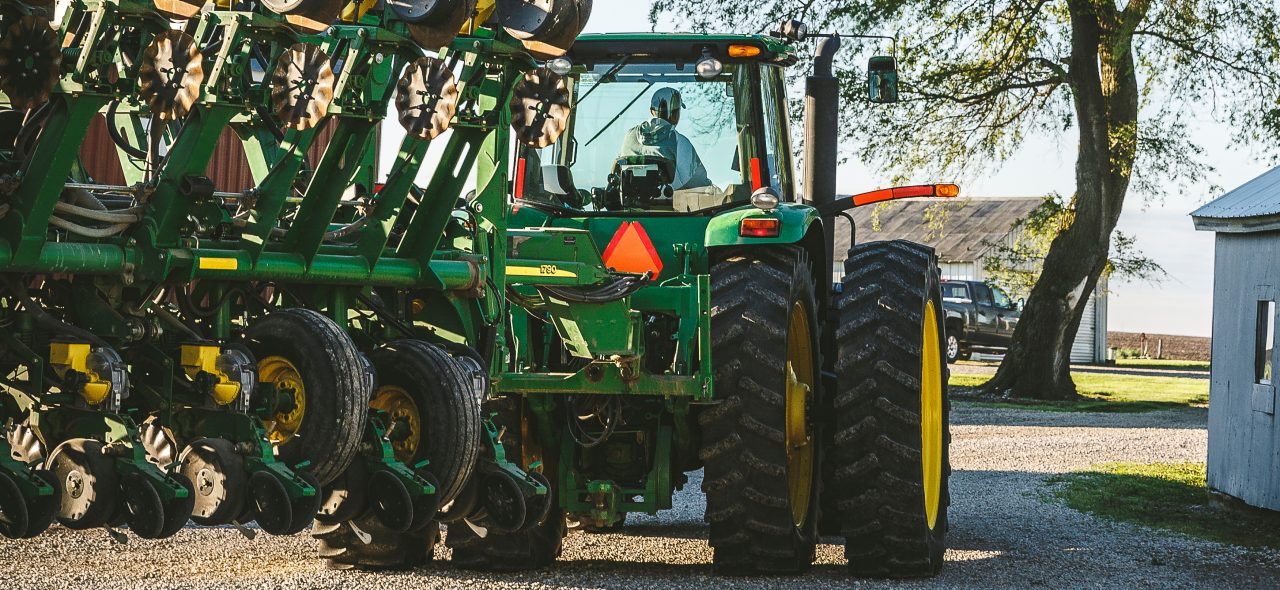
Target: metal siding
point(98, 154)
point(1082, 348)
point(1256, 198)
point(228, 169)
point(1243, 460)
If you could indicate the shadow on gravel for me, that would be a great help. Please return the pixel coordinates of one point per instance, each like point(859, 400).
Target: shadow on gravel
point(969, 413)
point(629, 575)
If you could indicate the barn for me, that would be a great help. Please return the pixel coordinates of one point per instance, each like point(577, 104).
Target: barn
point(962, 233)
point(1244, 435)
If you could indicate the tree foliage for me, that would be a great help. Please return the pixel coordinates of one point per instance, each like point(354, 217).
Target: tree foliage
point(1015, 264)
point(1122, 81)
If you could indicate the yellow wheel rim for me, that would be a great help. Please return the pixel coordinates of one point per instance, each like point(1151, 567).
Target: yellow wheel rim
point(396, 402)
point(281, 373)
point(931, 415)
point(799, 437)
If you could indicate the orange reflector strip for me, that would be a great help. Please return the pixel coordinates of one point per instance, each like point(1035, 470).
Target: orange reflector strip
point(756, 182)
point(743, 51)
point(906, 192)
point(760, 227)
point(518, 191)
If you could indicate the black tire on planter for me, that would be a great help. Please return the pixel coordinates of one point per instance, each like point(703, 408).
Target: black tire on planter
point(878, 452)
point(449, 409)
point(336, 382)
point(343, 549)
point(535, 546)
point(743, 448)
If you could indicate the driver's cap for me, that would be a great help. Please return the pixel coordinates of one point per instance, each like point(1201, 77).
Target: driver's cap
point(666, 103)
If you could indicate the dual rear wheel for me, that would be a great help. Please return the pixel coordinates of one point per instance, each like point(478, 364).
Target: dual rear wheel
point(884, 462)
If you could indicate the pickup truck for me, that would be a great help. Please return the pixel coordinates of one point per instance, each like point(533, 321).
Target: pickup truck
point(979, 318)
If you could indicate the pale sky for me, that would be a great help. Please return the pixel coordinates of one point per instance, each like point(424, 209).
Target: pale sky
point(1180, 305)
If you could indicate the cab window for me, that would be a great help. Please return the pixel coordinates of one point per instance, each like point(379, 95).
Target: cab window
point(651, 136)
point(777, 132)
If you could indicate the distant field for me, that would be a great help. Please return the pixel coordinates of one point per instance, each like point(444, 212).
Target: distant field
point(1191, 348)
point(1113, 393)
point(1163, 364)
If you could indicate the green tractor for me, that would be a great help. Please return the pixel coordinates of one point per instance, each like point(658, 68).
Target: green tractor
point(670, 309)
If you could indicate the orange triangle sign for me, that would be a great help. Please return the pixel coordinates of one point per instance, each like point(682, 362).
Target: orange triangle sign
point(630, 250)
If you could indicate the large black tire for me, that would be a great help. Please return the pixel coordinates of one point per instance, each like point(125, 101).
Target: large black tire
point(343, 549)
point(754, 293)
point(336, 384)
point(536, 546)
point(448, 408)
point(886, 412)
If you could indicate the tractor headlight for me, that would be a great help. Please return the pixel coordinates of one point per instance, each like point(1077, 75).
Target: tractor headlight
point(709, 67)
point(560, 66)
point(765, 199)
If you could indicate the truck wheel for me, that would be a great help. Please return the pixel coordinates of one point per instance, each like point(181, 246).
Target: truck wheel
point(954, 351)
point(536, 545)
point(759, 445)
point(429, 393)
point(890, 461)
point(309, 358)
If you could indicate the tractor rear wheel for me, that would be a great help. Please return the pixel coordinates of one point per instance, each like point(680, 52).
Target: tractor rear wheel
point(430, 395)
point(890, 467)
point(759, 443)
point(311, 360)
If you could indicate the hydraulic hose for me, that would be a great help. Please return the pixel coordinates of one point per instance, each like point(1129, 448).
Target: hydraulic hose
point(42, 317)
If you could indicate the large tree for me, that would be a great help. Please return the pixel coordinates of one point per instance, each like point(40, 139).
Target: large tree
point(1126, 79)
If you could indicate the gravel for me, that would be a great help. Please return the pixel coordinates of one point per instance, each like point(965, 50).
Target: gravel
point(1005, 532)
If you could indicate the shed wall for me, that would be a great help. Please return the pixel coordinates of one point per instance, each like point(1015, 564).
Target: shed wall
point(1244, 457)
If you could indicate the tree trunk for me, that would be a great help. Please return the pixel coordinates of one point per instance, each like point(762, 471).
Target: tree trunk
point(1105, 90)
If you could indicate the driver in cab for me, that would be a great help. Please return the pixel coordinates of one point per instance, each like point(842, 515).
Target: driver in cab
point(658, 137)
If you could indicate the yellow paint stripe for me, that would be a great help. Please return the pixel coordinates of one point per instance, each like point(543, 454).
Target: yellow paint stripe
point(540, 271)
point(219, 264)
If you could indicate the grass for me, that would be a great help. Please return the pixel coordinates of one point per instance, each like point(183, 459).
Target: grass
point(1170, 496)
point(1163, 364)
point(1112, 393)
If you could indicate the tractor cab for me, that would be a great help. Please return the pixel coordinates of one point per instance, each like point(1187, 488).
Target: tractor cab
point(684, 124)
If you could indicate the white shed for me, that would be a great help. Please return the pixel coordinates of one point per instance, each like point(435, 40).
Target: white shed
point(1244, 435)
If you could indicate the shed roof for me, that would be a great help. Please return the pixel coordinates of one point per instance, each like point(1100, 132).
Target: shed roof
point(968, 224)
point(1253, 206)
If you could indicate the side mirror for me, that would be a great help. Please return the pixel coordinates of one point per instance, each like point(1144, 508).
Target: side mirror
point(882, 79)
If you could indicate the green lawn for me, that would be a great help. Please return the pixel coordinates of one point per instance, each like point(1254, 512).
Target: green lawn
point(1170, 496)
point(1113, 393)
point(1163, 364)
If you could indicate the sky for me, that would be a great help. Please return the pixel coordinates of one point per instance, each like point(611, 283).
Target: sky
point(1182, 303)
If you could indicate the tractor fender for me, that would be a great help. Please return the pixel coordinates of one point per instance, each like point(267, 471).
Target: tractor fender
point(796, 220)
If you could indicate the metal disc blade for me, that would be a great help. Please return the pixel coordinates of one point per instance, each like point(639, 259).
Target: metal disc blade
point(427, 98)
point(540, 108)
point(308, 16)
point(171, 73)
point(547, 28)
point(29, 62)
point(302, 86)
point(179, 9)
point(434, 23)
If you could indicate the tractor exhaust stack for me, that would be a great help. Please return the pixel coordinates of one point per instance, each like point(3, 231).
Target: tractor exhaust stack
point(822, 121)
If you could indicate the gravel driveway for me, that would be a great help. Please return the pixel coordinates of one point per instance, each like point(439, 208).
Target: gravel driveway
point(1003, 533)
